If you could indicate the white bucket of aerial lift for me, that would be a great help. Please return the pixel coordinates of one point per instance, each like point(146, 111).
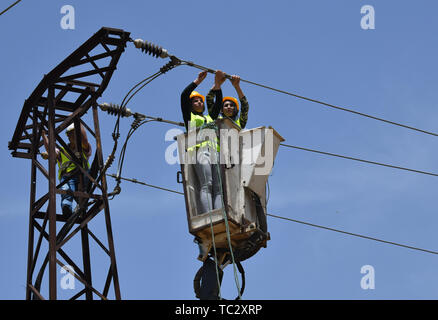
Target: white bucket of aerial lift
point(246, 161)
point(259, 148)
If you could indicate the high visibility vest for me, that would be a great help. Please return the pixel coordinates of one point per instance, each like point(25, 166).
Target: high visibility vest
point(66, 165)
point(198, 121)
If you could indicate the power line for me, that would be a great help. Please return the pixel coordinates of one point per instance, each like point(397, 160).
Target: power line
point(119, 110)
point(298, 221)
point(143, 183)
point(189, 63)
point(10, 7)
point(354, 234)
point(323, 152)
point(159, 51)
point(320, 152)
point(357, 159)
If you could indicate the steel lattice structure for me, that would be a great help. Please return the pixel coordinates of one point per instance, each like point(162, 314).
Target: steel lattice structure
point(62, 97)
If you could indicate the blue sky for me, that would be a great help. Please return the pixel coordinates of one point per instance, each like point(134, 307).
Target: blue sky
point(314, 48)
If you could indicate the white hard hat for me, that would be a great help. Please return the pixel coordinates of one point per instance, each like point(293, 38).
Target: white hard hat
point(70, 128)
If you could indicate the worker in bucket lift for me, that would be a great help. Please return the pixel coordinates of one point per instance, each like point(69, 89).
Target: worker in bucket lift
point(192, 107)
point(67, 170)
point(230, 106)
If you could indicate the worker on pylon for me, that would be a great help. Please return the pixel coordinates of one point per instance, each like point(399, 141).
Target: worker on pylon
point(67, 170)
point(230, 105)
point(192, 107)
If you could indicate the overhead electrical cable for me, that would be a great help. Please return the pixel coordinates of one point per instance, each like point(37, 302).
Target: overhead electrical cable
point(10, 7)
point(357, 159)
point(122, 111)
point(354, 234)
point(191, 64)
point(158, 51)
point(319, 152)
point(305, 223)
point(145, 184)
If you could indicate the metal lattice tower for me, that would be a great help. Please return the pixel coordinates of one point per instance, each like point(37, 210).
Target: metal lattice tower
point(62, 98)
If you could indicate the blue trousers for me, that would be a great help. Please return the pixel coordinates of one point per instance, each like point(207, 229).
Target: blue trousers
point(210, 196)
point(66, 199)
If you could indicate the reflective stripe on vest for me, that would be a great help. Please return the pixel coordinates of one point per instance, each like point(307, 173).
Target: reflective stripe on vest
point(66, 165)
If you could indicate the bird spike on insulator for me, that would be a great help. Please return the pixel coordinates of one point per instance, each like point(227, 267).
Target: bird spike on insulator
point(150, 48)
point(114, 109)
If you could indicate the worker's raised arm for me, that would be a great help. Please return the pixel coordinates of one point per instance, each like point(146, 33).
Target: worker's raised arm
point(86, 146)
point(235, 81)
point(201, 76)
point(214, 97)
point(46, 144)
point(219, 79)
point(186, 105)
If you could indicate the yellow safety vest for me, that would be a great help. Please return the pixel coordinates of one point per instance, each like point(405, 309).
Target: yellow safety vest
point(198, 121)
point(66, 165)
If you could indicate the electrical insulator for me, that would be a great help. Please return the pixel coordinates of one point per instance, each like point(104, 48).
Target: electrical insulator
point(115, 109)
point(109, 161)
point(150, 48)
point(174, 61)
point(136, 123)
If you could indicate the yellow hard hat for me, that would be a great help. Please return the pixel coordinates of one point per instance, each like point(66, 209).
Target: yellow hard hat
point(233, 100)
point(197, 94)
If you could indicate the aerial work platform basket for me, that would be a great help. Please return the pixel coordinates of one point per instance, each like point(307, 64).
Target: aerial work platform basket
point(243, 166)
